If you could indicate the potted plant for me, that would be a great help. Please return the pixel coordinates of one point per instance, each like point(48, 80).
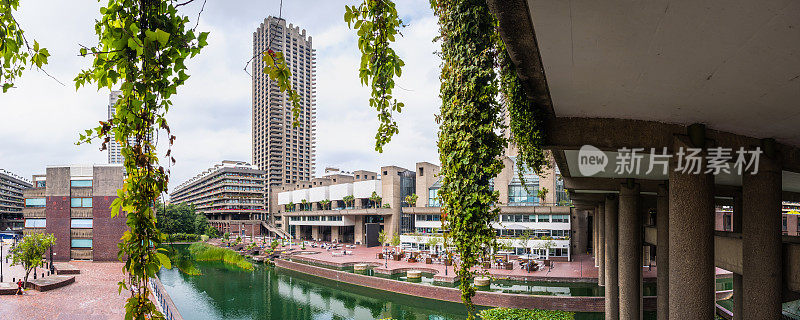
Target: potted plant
point(326, 204)
point(348, 201)
point(375, 199)
point(382, 238)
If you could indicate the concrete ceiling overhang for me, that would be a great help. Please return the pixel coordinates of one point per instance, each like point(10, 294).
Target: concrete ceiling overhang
point(618, 73)
point(733, 65)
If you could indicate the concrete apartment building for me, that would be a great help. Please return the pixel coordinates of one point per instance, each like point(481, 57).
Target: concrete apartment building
point(549, 224)
point(304, 215)
point(11, 200)
point(74, 204)
point(285, 152)
point(230, 194)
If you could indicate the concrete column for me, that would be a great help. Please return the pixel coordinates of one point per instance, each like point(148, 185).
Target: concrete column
point(358, 230)
point(662, 253)
point(738, 291)
point(611, 258)
point(738, 296)
point(761, 241)
point(630, 253)
point(601, 243)
point(314, 233)
point(335, 234)
point(691, 241)
point(595, 237)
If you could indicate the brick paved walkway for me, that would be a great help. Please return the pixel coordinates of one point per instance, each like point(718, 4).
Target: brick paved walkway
point(92, 296)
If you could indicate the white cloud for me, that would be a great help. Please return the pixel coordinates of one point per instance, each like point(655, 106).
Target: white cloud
point(211, 114)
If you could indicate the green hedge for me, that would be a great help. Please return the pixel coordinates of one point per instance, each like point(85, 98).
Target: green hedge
point(524, 314)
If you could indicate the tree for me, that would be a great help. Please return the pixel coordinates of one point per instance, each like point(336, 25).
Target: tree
point(375, 199)
point(30, 251)
point(411, 199)
point(348, 200)
point(303, 205)
point(326, 204)
point(382, 237)
point(396, 240)
point(176, 218)
point(290, 207)
point(542, 194)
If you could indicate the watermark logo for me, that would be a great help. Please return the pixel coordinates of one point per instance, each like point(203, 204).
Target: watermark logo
point(629, 161)
point(591, 160)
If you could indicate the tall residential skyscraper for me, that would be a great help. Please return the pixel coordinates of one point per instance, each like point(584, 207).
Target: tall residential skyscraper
point(286, 153)
point(114, 147)
point(114, 154)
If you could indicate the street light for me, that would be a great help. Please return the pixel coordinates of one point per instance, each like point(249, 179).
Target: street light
point(2, 242)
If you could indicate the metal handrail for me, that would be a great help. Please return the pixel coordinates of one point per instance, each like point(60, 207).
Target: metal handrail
point(163, 300)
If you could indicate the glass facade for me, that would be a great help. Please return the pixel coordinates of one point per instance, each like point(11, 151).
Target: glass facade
point(35, 223)
point(80, 183)
point(81, 223)
point(35, 202)
point(81, 202)
point(81, 243)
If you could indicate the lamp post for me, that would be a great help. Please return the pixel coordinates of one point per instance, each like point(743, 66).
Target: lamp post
point(445, 232)
point(2, 242)
point(52, 269)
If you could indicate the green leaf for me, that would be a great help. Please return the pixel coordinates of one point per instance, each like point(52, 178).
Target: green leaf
point(162, 37)
point(164, 260)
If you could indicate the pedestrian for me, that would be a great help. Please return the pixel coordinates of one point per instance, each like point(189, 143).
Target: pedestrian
point(19, 287)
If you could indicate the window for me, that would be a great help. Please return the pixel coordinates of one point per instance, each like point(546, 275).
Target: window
point(81, 243)
point(543, 218)
point(80, 183)
point(81, 223)
point(519, 195)
point(421, 171)
point(35, 202)
point(81, 202)
point(561, 218)
point(726, 222)
point(41, 184)
point(35, 223)
point(433, 198)
point(784, 226)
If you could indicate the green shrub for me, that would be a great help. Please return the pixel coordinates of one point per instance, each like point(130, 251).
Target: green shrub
point(205, 252)
point(524, 314)
point(183, 237)
point(203, 238)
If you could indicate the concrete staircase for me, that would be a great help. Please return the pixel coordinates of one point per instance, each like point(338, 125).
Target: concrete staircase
point(278, 231)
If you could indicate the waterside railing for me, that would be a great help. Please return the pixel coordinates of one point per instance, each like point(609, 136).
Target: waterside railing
point(163, 301)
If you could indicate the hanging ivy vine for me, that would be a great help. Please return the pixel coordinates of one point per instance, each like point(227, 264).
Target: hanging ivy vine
point(469, 145)
point(378, 24)
point(15, 51)
point(525, 120)
point(142, 47)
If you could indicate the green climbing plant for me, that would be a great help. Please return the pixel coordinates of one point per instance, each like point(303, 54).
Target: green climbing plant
point(377, 25)
point(526, 120)
point(469, 145)
point(16, 53)
point(142, 47)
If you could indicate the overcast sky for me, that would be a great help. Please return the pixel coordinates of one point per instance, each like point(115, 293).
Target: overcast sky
point(41, 119)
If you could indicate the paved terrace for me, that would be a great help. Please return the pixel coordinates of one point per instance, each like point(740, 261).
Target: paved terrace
point(581, 269)
point(92, 296)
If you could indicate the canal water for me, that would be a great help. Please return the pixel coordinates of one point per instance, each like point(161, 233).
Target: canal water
point(226, 292)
